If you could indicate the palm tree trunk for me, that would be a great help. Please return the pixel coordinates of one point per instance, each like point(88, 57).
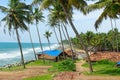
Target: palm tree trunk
point(116, 36)
point(49, 43)
point(20, 46)
point(61, 41)
point(70, 42)
point(80, 39)
point(63, 32)
point(56, 35)
point(112, 35)
point(40, 41)
point(32, 43)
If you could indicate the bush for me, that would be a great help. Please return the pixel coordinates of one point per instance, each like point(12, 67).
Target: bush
point(66, 65)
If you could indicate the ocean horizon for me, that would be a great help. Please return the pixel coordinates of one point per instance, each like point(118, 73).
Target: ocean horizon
point(10, 52)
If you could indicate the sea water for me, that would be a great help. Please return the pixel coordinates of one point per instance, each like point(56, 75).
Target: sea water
point(10, 52)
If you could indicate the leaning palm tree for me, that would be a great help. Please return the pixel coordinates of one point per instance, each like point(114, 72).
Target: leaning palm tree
point(111, 9)
point(53, 24)
point(15, 19)
point(58, 17)
point(29, 21)
point(38, 16)
point(67, 6)
point(48, 35)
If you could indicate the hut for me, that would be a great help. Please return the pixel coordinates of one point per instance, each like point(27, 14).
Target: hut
point(54, 55)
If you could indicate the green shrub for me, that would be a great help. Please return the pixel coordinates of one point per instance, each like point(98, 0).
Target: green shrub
point(66, 65)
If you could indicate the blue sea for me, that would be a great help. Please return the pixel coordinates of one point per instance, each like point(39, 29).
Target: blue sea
point(10, 53)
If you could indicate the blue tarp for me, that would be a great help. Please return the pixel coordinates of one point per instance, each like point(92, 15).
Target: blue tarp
point(118, 63)
point(52, 52)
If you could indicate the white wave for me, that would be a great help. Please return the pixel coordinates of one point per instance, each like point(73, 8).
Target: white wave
point(54, 46)
point(14, 54)
point(9, 55)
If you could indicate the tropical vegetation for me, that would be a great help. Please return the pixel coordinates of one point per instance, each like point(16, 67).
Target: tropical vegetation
point(18, 15)
point(99, 41)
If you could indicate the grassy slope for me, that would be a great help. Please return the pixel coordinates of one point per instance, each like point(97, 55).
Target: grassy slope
point(104, 68)
point(35, 63)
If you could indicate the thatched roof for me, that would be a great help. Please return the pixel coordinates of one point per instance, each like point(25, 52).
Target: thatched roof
point(45, 56)
point(68, 52)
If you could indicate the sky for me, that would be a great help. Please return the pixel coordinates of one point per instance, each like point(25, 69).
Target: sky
point(83, 24)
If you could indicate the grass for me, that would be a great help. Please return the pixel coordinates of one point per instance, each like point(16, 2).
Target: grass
point(66, 65)
point(40, 63)
point(43, 77)
point(104, 67)
point(13, 68)
point(35, 63)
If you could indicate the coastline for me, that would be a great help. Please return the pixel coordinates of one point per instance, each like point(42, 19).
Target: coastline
point(10, 53)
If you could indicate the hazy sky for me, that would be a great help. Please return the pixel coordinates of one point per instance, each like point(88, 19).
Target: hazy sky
point(82, 23)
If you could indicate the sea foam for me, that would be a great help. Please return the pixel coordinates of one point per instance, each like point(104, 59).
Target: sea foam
point(26, 51)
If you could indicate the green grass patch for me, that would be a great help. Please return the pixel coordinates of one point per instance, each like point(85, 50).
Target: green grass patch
point(13, 68)
point(41, 63)
point(34, 63)
point(65, 65)
point(104, 67)
point(43, 77)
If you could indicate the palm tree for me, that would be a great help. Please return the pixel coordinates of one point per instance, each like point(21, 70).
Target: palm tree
point(38, 16)
point(30, 21)
point(47, 35)
point(67, 6)
point(52, 22)
point(58, 17)
point(69, 41)
point(15, 18)
point(111, 9)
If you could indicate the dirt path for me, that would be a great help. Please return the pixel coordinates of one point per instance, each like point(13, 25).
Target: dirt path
point(81, 76)
point(20, 75)
point(78, 75)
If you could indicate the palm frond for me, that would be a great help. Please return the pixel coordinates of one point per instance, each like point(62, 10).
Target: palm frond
point(3, 9)
point(101, 17)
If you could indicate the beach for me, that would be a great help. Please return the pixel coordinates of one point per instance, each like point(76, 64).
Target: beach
point(10, 53)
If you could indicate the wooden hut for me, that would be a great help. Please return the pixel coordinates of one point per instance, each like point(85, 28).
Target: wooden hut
point(54, 55)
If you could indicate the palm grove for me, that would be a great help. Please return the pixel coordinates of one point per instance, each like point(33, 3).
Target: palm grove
point(19, 15)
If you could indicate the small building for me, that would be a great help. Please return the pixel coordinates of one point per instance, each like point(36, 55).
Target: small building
point(53, 55)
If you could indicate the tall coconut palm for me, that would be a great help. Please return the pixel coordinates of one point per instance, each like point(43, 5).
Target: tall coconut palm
point(52, 22)
point(58, 16)
point(29, 21)
point(67, 6)
point(38, 16)
point(69, 41)
point(15, 18)
point(48, 35)
point(111, 8)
